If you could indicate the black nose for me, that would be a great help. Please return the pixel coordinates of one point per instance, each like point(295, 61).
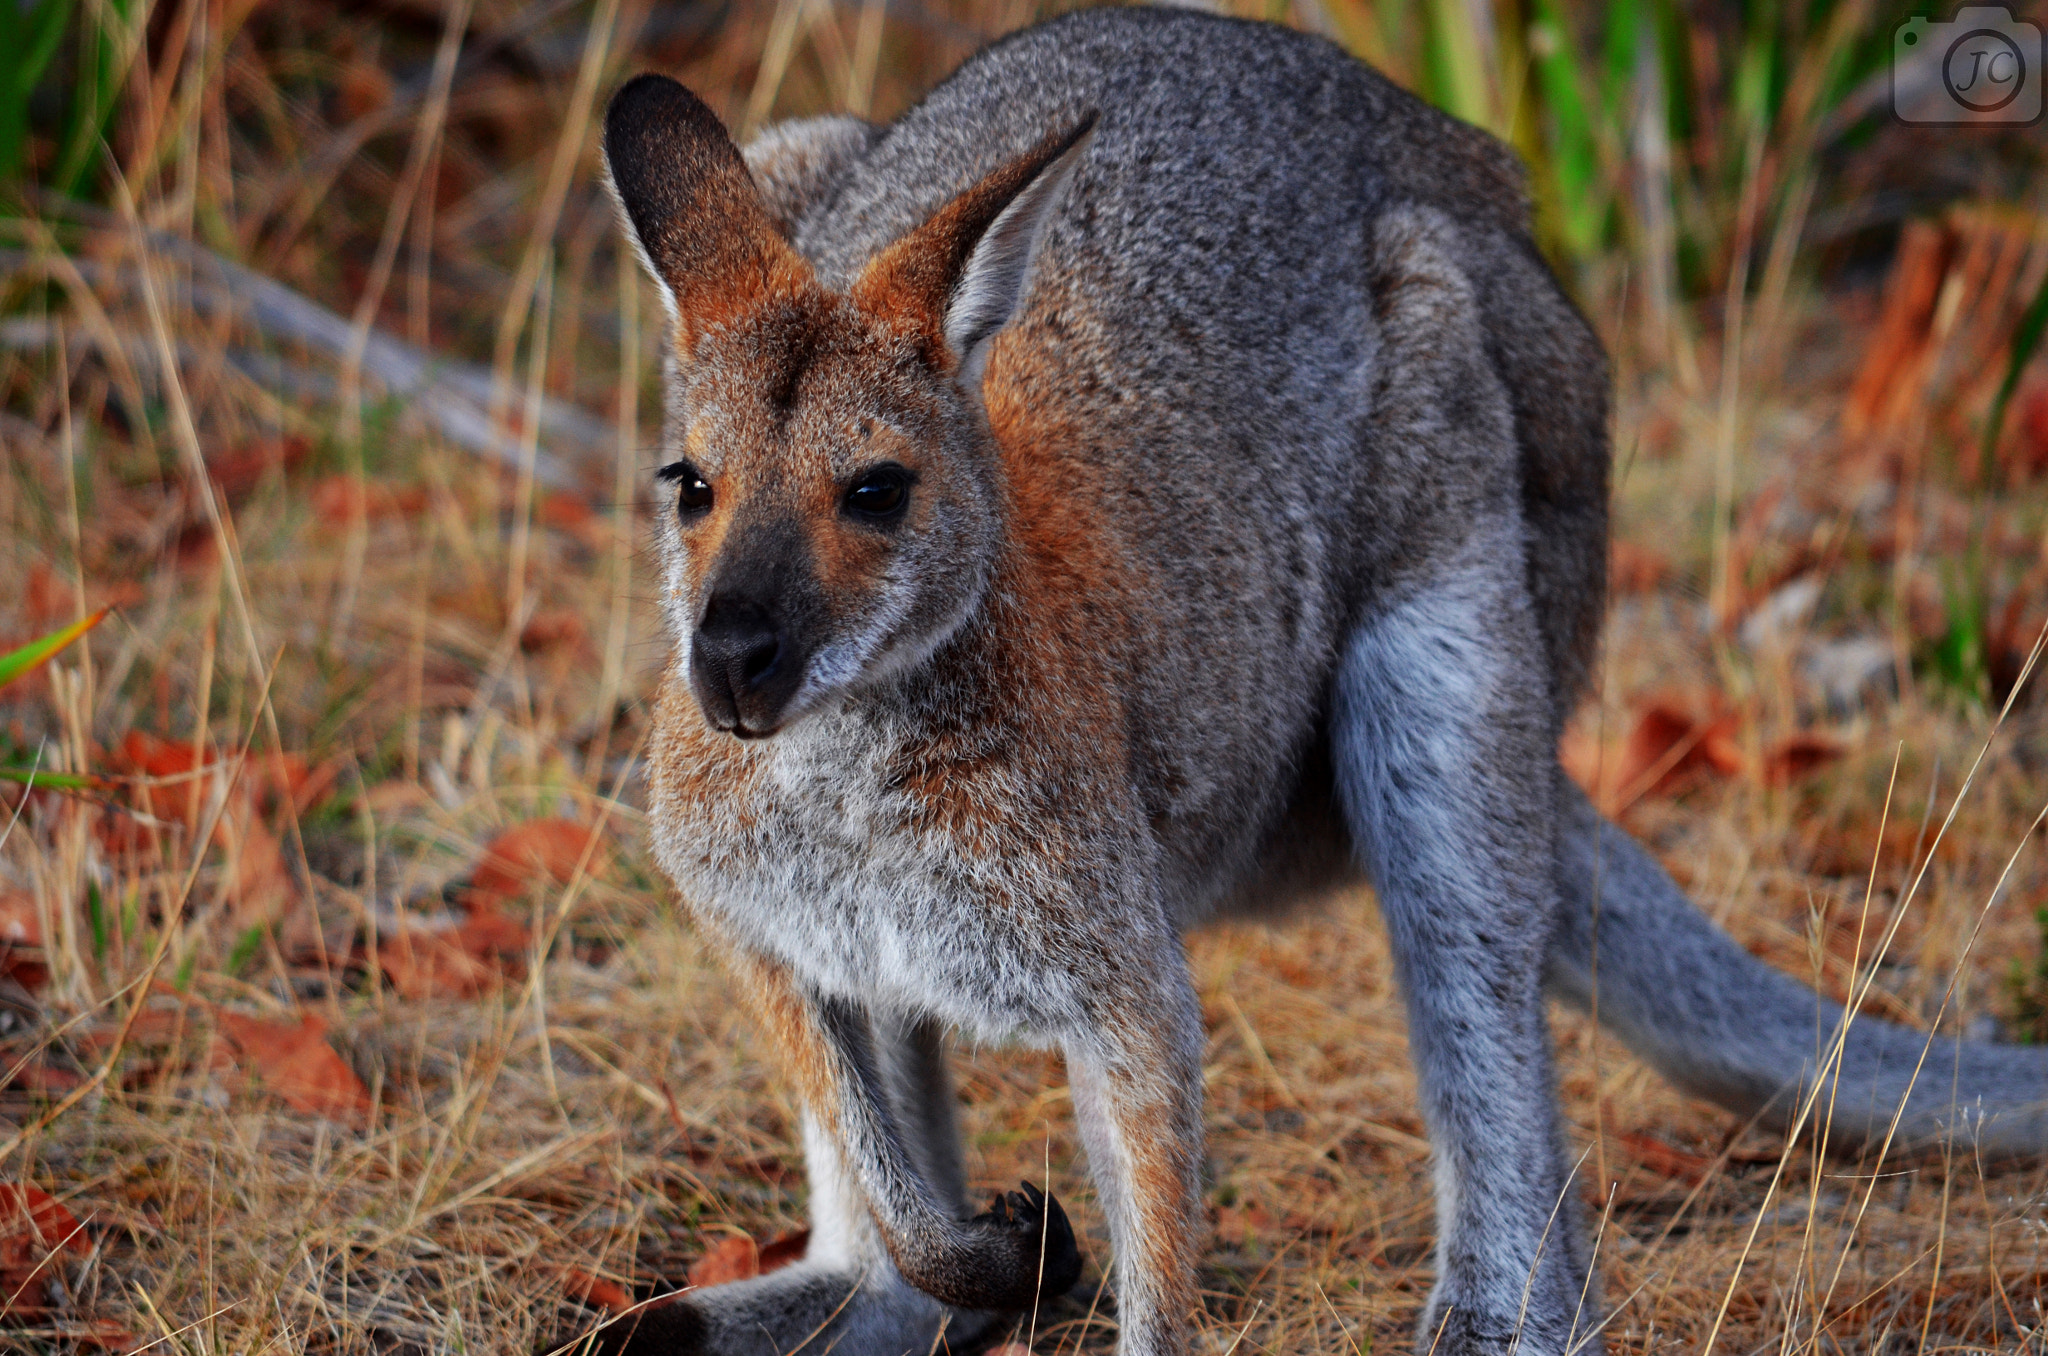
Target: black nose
point(743, 667)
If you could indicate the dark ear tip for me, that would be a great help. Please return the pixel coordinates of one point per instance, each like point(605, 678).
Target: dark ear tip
point(650, 104)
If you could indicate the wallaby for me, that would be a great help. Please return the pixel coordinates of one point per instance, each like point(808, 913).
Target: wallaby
point(1155, 477)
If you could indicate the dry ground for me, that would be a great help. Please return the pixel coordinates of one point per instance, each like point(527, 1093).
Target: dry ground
point(448, 647)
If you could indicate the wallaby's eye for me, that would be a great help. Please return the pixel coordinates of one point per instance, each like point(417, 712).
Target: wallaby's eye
point(693, 492)
point(880, 494)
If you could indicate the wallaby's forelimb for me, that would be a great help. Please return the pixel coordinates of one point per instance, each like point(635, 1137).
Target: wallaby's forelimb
point(1137, 1088)
point(1007, 1259)
point(844, 1294)
point(1722, 1025)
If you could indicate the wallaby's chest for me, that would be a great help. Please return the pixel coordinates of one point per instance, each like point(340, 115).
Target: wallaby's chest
point(834, 851)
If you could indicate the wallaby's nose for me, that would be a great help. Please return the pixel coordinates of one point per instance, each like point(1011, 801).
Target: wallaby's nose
point(743, 668)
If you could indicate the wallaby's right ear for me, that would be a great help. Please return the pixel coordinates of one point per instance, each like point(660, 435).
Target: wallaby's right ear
point(691, 208)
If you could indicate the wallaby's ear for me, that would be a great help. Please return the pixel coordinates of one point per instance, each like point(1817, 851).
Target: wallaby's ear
point(959, 277)
point(690, 206)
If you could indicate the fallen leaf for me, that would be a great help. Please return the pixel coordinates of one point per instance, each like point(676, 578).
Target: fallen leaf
point(41, 1077)
point(364, 88)
point(423, 964)
point(780, 1252)
point(258, 885)
point(735, 1258)
point(34, 1229)
point(241, 468)
point(51, 599)
point(526, 852)
point(596, 1291)
point(1798, 755)
point(554, 629)
point(1663, 1159)
point(296, 1062)
point(487, 931)
point(150, 756)
point(2032, 420)
point(287, 777)
point(1888, 384)
point(1634, 569)
point(31, 1218)
point(21, 941)
point(565, 510)
point(1669, 746)
point(20, 925)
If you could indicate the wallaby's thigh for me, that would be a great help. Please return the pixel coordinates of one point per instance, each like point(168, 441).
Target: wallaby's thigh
point(1442, 731)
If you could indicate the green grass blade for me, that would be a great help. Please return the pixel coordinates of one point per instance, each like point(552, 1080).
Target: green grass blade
point(2026, 340)
point(28, 39)
point(105, 55)
point(38, 652)
point(1459, 82)
point(54, 781)
point(1579, 194)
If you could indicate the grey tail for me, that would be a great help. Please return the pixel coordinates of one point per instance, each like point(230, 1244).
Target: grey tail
point(1721, 1025)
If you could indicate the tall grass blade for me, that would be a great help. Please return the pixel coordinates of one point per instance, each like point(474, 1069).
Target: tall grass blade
point(38, 652)
point(1574, 160)
point(2026, 340)
point(105, 47)
point(29, 34)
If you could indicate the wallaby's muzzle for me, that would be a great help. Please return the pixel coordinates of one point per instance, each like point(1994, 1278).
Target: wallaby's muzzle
point(744, 668)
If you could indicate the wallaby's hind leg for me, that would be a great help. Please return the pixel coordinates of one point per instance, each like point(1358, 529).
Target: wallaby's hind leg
point(846, 1294)
point(1442, 765)
point(1443, 735)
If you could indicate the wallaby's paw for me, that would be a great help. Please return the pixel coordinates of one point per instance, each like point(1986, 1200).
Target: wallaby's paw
point(1022, 1251)
point(1041, 1224)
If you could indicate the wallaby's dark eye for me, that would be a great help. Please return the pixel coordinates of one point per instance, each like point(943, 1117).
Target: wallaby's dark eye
point(693, 492)
point(881, 493)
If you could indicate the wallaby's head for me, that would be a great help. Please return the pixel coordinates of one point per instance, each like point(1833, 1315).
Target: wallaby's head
point(831, 501)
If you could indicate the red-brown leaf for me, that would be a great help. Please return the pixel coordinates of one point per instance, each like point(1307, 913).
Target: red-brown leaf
point(33, 1224)
point(296, 1062)
point(780, 1252)
point(1663, 1159)
point(538, 848)
point(1798, 755)
point(153, 757)
point(422, 964)
point(19, 923)
point(596, 1291)
point(1635, 569)
point(736, 1258)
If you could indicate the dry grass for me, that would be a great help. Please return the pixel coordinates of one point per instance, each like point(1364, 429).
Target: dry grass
point(462, 648)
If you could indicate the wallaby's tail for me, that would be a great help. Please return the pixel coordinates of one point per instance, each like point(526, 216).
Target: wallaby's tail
point(1722, 1025)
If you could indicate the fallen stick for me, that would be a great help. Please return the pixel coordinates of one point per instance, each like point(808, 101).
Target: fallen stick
point(454, 397)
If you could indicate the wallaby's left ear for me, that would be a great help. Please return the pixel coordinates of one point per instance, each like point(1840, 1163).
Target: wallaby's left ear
point(958, 278)
point(690, 206)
